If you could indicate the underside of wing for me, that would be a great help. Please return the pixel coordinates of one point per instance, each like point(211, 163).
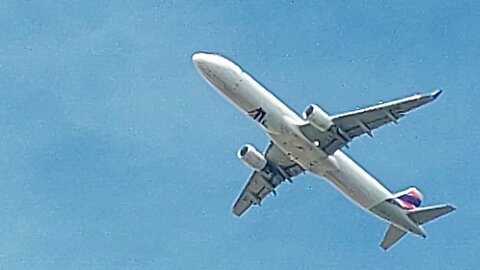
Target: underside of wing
point(365, 120)
point(261, 183)
point(347, 126)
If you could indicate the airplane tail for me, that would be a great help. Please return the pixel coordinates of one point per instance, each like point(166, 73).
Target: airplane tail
point(410, 198)
point(392, 236)
point(423, 215)
point(420, 216)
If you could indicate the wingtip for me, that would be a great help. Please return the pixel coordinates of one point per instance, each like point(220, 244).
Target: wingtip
point(437, 93)
point(450, 207)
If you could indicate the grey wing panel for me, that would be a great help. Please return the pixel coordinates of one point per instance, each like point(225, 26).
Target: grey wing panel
point(350, 125)
point(262, 183)
point(257, 188)
point(276, 156)
point(365, 120)
point(329, 141)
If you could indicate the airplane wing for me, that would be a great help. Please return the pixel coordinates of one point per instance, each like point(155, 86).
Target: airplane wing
point(262, 183)
point(347, 126)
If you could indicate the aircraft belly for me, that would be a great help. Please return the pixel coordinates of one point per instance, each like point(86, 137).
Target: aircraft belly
point(353, 181)
point(298, 148)
point(341, 171)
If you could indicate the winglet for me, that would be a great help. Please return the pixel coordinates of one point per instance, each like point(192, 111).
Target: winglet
point(436, 93)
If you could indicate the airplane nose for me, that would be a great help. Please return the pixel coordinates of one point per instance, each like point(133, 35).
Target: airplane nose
point(202, 62)
point(215, 68)
point(201, 58)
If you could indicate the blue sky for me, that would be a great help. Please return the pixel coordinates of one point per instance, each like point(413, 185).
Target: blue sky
point(115, 154)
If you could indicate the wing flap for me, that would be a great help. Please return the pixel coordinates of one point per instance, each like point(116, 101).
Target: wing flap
point(262, 183)
point(364, 121)
point(347, 126)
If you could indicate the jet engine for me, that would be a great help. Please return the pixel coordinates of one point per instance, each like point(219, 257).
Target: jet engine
point(252, 157)
point(317, 117)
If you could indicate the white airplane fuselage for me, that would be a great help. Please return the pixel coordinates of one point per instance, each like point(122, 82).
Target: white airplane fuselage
point(282, 126)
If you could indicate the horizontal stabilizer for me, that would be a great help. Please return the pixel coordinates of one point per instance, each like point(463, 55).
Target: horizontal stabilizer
point(426, 214)
point(392, 236)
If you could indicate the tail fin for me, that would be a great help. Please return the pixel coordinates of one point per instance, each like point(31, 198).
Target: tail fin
point(425, 214)
point(392, 236)
point(409, 198)
point(420, 216)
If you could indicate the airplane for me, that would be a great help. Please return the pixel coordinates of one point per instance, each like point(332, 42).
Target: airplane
point(312, 143)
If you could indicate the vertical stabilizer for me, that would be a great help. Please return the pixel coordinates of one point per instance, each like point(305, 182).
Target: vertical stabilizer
point(409, 198)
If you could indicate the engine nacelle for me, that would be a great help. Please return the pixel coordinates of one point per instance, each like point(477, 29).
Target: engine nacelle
point(317, 117)
point(252, 157)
